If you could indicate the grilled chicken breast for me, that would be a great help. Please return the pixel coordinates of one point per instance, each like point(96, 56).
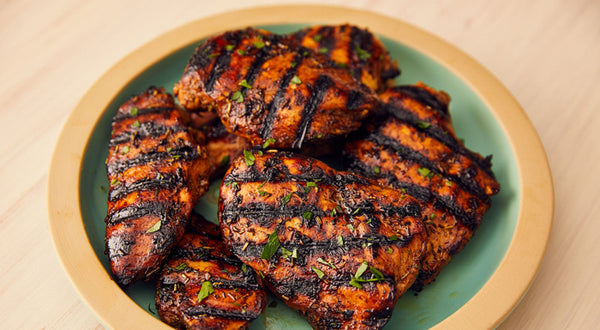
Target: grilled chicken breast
point(416, 150)
point(204, 286)
point(267, 87)
point(156, 172)
point(353, 48)
point(337, 247)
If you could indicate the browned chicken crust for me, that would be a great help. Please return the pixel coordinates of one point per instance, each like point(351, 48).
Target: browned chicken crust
point(356, 49)
point(416, 150)
point(204, 286)
point(156, 172)
point(267, 87)
point(337, 247)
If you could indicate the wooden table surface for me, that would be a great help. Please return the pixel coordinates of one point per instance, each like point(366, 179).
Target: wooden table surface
point(546, 52)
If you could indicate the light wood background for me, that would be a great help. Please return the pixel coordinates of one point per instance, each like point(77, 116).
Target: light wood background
point(547, 53)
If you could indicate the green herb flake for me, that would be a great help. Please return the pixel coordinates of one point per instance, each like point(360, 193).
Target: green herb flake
point(229, 47)
point(244, 83)
point(155, 227)
point(307, 215)
point(376, 170)
point(115, 182)
point(125, 150)
point(393, 238)
point(241, 52)
point(175, 156)
point(169, 149)
point(323, 50)
point(369, 221)
point(244, 268)
point(309, 185)
point(136, 124)
point(285, 199)
point(213, 55)
point(355, 283)
point(317, 38)
point(448, 183)
point(432, 216)
point(425, 172)
point(423, 124)
point(317, 271)
point(361, 269)
point(390, 250)
point(268, 143)
point(181, 266)
point(340, 240)
point(356, 211)
point(286, 253)
point(378, 275)
point(296, 80)
point(236, 304)
point(326, 263)
point(237, 97)
point(264, 193)
point(205, 291)
point(293, 64)
point(134, 111)
point(271, 247)
point(258, 44)
point(351, 227)
point(249, 158)
point(362, 54)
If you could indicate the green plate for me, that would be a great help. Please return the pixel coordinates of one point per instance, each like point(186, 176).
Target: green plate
point(458, 282)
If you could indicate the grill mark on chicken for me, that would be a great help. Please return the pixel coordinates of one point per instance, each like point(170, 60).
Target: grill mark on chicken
point(204, 310)
point(421, 95)
point(321, 86)
point(185, 152)
point(163, 211)
point(145, 130)
point(442, 136)
point(275, 104)
point(465, 182)
point(223, 60)
point(164, 181)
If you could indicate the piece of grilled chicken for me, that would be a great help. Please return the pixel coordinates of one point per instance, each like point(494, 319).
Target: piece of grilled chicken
point(356, 49)
point(156, 172)
point(202, 285)
point(416, 150)
point(267, 87)
point(336, 246)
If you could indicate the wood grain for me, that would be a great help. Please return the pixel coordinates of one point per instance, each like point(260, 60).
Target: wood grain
point(545, 52)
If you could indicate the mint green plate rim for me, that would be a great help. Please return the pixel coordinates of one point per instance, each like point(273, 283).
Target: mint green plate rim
point(475, 117)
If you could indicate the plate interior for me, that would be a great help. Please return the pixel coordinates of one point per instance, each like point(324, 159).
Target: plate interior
point(458, 282)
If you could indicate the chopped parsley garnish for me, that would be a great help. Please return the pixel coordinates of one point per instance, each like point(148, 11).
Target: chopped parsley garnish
point(237, 97)
point(326, 263)
point(264, 193)
point(293, 64)
point(271, 246)
point(181, 266)
point(336, 210)
point(213, 55)
point(136, 124)
point(393, 238)
point(362, 54)
point(390, 250)
point(423, 124)
point(287, 253)
point(351, 227)
point(249, 158)
point(259, 44)
point(307, 215)
point(244, 268)
point(340, 240)
point(155, 227)
point(241, 52)
point(448, 183)
point(377, 276)
point(115, 182)
point(268, 143)
point(229, 47)
point(309, 185)
point(432, 216)
point(356, 211)
point(322, 50)
point(244, 83)
point(125, 149)
point(317, 38)
point(133, 111)
point(296, 80)
point(205, 291)
point(317, 271)
point(285, 199)
point(425, 172)
point(376, 169)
